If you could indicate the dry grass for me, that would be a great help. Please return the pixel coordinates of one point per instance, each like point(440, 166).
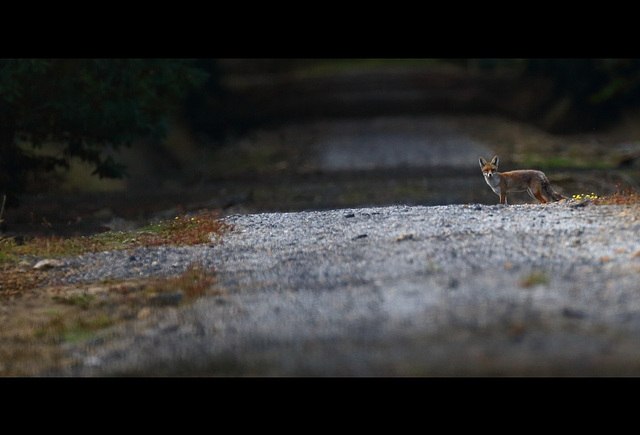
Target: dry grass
point(205, 227)
point(35, 326)
point(623, 196)
point(17, 276)
point(37, 317)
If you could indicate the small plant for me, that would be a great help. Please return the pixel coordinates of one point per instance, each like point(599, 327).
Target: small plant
point(71, 328)
point(185, 230)
point(585, 197)
point(623, 196)
point(81, 300)
point(536, 277)
point(7, 250)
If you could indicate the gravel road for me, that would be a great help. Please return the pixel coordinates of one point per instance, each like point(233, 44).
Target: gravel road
point(392, 291)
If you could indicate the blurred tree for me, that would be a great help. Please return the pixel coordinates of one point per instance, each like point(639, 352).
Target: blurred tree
point(214, 111)
point(585, 93)
point(83, 108)
point(569, 107)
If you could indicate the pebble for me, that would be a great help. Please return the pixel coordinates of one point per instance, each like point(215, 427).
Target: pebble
point(48, 264)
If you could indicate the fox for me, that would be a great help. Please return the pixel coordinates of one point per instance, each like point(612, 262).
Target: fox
point(530, 180)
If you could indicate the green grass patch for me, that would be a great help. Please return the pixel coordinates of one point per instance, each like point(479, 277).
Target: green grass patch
point(73, 328)
point(82, 300)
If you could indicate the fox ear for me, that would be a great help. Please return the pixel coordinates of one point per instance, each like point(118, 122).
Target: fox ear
point(494, 160)
point(482, 162)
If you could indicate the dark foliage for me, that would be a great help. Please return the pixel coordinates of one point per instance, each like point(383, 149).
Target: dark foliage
point(83, 108)
point(216, 112)
point(585, 94)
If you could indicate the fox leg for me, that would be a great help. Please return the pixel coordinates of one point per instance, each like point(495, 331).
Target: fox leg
point(538, 195)
point(503, 198)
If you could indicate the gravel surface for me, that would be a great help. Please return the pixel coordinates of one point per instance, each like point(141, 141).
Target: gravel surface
point(392, 291)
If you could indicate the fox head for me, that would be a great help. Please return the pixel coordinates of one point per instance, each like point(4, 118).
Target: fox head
point(489, 169)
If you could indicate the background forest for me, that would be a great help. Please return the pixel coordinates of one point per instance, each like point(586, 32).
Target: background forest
point(166, 125)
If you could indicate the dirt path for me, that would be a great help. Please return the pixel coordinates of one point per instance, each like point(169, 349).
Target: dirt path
point(401, 291)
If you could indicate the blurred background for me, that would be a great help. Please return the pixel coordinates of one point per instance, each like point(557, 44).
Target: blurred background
point(107, 144)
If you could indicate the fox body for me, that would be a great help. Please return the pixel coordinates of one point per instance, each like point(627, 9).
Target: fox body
point(533, 182)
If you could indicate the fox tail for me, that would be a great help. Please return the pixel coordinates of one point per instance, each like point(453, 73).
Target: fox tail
point(552, 193)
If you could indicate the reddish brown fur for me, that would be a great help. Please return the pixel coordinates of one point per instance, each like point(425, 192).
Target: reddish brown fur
point(530, 180)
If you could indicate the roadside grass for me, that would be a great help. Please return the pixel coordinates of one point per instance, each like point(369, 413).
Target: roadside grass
point(36, 327)
point(622, 196)
point(17, 276)
point(205, 227)
point(38, 316)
